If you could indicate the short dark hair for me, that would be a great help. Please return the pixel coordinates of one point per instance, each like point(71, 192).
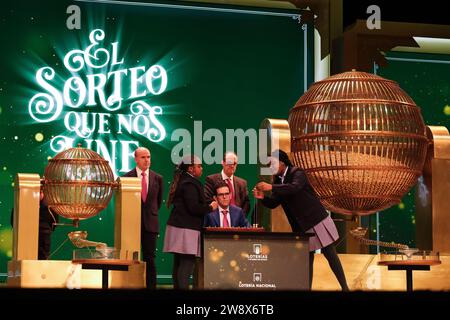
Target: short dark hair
point(219, 185)
point(282, 156)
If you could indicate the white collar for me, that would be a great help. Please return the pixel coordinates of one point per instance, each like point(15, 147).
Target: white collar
point(284, 174)
point(139, 172)
point(190, 174)
point(228, 209)
point(225, 177)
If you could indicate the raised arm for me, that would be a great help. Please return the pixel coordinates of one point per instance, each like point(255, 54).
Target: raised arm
point(285, 189)
point(271, 201)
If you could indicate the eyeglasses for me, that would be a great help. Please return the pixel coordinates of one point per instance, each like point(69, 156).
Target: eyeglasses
point(231, 164)
point(223, 194)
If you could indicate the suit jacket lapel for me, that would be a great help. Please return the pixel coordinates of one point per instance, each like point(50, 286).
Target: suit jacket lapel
point(235, 191)
point(216, 217)
point(288, 176)
point(232, 217)
point(277, 180)
point(151, 181)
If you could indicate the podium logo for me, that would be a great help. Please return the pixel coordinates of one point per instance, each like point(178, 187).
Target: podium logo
point(257, 253)
point(257, 282)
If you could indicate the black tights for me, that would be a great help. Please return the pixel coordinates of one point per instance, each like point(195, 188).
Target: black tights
point(183, 268)
point(333, 260)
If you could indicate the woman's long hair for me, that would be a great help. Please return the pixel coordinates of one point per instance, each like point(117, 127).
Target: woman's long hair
point(179, 170)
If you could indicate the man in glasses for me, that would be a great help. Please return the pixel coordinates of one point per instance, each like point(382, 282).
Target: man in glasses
point(225, 215)
point(238, 186)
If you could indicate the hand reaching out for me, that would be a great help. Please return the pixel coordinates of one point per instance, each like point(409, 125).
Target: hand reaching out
point(213, 205)
point(263, 186)
point(258, 194)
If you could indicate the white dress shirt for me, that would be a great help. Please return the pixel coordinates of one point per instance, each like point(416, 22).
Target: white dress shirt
point(225, 177)
point(284, 175)
point(221, 216)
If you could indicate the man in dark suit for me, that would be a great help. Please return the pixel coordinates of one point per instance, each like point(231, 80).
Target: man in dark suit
point(151, 198)
point(225, 215)
point(238, 186)
point(305, 212)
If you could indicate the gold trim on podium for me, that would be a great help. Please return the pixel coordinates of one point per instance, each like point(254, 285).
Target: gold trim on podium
point(432, 205)
point(27, 188)
point(127, 226)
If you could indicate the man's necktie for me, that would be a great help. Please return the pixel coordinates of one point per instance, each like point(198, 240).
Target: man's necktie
point(144, 187)
point(230, 186)
point(225, 220)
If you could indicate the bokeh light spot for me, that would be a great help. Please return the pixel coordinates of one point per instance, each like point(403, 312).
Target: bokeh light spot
point(39, 137)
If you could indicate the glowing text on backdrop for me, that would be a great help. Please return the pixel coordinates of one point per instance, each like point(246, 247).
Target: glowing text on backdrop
point(98, 79)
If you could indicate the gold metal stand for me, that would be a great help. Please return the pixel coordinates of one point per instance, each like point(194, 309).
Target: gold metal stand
point(25, 271)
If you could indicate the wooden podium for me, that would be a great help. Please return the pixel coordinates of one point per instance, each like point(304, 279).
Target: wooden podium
point(252, 259)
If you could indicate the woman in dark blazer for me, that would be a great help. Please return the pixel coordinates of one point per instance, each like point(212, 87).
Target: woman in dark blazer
point(304, 211)
point(186, 219)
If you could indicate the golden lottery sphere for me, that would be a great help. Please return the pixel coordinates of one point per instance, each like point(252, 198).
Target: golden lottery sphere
point(78, 183)
point(361, 141)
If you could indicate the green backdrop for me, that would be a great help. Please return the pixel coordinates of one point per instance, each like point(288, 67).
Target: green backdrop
point(228, 67)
